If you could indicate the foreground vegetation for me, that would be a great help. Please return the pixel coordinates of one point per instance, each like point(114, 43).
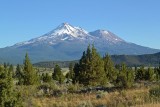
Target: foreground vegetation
point(123, 98)
point(93, 81)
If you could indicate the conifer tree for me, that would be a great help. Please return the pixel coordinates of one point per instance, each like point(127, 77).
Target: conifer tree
point(18, 71)
point(19, 75)
point(11, 68)
point(2, 74)
point(140, 74)
point(157, 72)
point(30, 76)
point(110, 71)
point(149, 74)
point(76, 70)
point(90, 70)
point(70, 74)
point(98, 76)
point(8, 96)
point(5, 65)
point(57, 74)
point(81, 70)
point(125, 77)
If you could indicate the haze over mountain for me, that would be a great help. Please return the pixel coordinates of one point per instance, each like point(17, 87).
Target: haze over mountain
point(67, 42)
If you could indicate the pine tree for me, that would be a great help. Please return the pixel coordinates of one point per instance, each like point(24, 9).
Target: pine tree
point(110, 71)
point(8, 96)
point(82, 68)
point(5, 65)
point(140, 74)
point(2, 73)
point(19, 75)
point(84, 65)
point(130, 77)
point(30, 76)
point(157, 72)
point(57, 74)
point(149, 74)
point(125, 77)
point(76, 73)
point(90, 70)
point(70, 74)
point(11, 68)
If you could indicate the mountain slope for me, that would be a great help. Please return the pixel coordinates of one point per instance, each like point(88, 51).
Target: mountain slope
point(129, 60)
point(67, 43)
point(132, 60)
point(63, 32)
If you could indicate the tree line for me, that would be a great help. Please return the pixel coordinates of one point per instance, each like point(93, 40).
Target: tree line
point(94, 70)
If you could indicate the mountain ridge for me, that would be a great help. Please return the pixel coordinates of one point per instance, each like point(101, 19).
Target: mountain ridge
point(67, 42)
point(152, 60)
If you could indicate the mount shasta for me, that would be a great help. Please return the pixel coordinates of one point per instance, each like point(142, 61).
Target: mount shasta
point(67, 43)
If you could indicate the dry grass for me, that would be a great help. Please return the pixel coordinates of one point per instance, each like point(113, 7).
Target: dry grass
point(123, 98)
point(148, 105)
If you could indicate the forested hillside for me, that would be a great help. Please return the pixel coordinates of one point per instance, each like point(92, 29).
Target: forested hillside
point(129, 60)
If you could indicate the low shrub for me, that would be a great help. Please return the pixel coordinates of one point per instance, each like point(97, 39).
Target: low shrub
point(85, 104)
point(101, 94)
point(155, 92)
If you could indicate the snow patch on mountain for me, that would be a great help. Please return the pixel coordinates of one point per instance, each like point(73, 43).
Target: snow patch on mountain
point(67, 29)
point(106, 35)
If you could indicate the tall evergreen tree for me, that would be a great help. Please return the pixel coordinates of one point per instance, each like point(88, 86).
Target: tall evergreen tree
point(109, 68)
point(76, 73)
point(30, 76)
point(90, 70)
point(8, 96)
point(97, 75)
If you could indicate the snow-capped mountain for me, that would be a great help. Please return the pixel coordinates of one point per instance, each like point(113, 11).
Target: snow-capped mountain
point(66, 32)
point(67, 42)
point(63, 32)
point(106, 36)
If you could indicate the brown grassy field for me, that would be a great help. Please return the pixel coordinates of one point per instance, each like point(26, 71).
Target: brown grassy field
point(125, 98)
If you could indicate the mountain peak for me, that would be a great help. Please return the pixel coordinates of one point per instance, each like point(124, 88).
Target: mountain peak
point(106, 35)
point(100, 31)
point(65, 25)
point(64, 28)
point(67, 29)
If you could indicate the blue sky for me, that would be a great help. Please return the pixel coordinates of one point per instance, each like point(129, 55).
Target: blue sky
point(136, 21)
